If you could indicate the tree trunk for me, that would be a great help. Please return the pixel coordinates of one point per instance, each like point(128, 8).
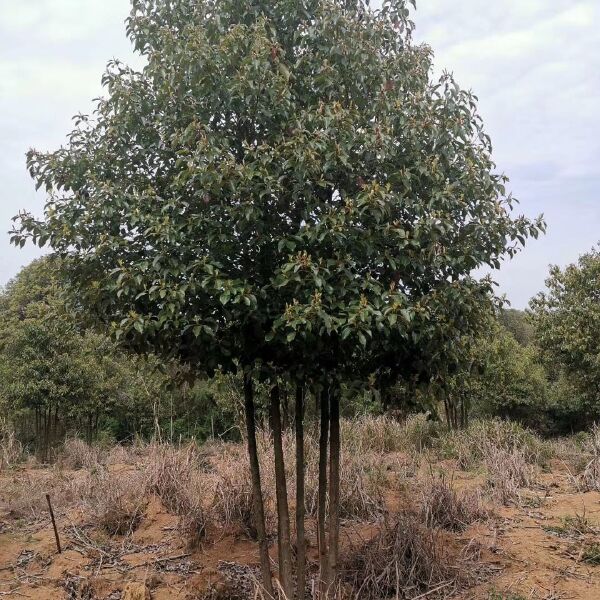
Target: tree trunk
point(334, 481)
point(285, 409)
point(300, 501)
point(322, 508)
point(283, 514)
point(259, 509)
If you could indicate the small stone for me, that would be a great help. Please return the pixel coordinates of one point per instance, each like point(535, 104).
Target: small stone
point(136, 591)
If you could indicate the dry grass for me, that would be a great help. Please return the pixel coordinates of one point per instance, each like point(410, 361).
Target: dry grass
point(471, 447)
point(232, 503)
point(77, 454)
point(116, 502)
point(174, 475)
point(507, 472)
point(384, 435)
point(586, 475)
point(404, 560)
point(442, 506)
point(11, 450)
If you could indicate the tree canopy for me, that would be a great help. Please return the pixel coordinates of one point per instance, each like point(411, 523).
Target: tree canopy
point(566, 319)
point(281, 179)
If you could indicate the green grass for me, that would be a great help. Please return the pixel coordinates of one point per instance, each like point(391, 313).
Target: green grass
point(495, 595)
point(591, 554)
point(571, 525)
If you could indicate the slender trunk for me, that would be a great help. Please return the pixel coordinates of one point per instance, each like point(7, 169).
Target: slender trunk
point(334, 482)
point(55, 425)
point(321, 532)
point(283, 514)
point(259, 509)
point(447, 410)
point(285, 409)
point(300, 501)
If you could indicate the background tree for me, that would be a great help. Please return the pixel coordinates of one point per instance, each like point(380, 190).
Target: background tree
point(566, 320)
point(516, 322)
point(284, 191)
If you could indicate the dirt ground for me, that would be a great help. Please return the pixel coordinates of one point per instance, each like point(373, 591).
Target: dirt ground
point(524, 551)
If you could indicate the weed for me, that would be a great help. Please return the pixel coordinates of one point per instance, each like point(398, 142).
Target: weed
point(572, 525)
point(591, 554)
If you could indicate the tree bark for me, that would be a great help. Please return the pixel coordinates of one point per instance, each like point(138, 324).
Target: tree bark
point(322, 507)
point(259, 509)
point(283, 514)
point(300, 500)
point(334, 481)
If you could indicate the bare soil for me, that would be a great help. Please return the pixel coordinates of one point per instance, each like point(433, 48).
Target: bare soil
point(523, 551)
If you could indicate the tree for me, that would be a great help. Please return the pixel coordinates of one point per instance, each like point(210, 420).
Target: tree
point(566, 320)
point(281, 190)
point(512, 381)
point(517, 323)
point(58, 376)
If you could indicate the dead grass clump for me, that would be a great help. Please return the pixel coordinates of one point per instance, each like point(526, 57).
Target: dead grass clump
point(404, 560)
point(77, 454)
point(173, 474)
point(232, 502)
point(472, 446)
point(120, 455)
point(24, 495)
point(169, 470)
point(507, 472)
point(192, 525)
point(363, 480)
point(442, 506)
point(11, 450)
point(373, 434)
point(116, 502)
point(586, 477)
point(383, 434)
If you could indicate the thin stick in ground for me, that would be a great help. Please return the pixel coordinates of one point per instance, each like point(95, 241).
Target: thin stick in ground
point(56, 536)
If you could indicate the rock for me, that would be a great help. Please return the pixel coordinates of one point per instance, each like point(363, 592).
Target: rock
point(136, 591)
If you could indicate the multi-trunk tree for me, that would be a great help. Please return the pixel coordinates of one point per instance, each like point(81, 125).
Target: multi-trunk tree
point(282, 190)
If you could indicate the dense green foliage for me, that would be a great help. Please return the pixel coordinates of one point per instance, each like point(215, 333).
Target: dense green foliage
point(567, 329)
point(283, 182)
point(59, 377)
point(517, 322)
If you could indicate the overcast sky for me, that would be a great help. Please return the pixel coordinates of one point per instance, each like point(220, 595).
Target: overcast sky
point(535, 65)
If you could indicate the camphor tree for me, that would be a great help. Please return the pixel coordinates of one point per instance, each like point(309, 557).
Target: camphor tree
point(566, 320)
point(281, 190)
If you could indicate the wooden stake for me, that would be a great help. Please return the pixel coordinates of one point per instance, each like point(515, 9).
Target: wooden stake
point(54, 524)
